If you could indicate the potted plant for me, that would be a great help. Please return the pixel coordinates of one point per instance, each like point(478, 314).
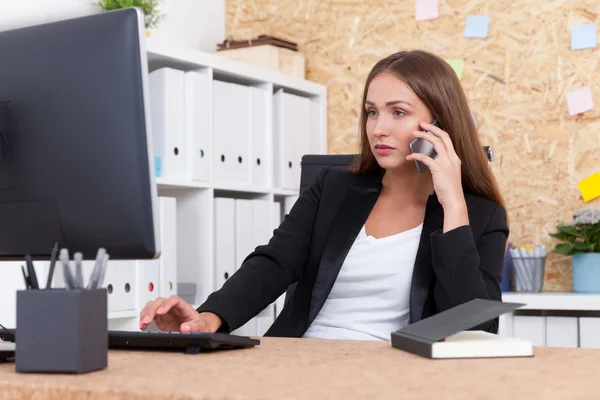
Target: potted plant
point(149, 7)
point(580, 239)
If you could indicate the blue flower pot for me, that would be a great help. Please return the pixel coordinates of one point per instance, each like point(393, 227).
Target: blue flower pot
point(586, 273)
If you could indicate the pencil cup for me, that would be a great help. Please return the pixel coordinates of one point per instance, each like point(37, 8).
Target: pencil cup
point(61, 331)
point(528, 273)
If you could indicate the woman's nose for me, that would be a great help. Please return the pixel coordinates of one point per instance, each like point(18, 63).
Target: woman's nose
point(381, 127)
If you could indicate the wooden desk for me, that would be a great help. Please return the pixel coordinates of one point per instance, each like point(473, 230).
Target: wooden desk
point(313, 369)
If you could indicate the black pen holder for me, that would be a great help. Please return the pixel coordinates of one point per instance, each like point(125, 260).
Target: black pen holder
point(61, 331)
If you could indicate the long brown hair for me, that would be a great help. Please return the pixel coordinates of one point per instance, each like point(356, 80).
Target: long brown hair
point(436, 84)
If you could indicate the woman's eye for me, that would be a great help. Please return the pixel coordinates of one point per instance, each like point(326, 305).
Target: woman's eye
point(371, 113)
point(398, 113)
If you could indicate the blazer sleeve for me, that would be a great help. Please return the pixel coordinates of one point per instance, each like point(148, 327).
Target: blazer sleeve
point(267, 272)
point(466, 270)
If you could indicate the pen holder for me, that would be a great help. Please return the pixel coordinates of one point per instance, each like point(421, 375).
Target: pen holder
point(61, 331)
point(528, 273)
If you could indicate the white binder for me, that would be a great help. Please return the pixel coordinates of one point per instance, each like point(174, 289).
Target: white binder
point(530, 328)
point(276, 209)
point(168, 241)
point(148, 281)
point(259, 125)
point(167, 110)
point(262, 225)
point(224, 240)
point(589, 332)
point(288, 203)
point(231, 143)
point(284, 153)
point(302, 133)
point(120, 281)
point(264, 320)
point(197, 125)
point(244, 230)
point(292, 136)
point(562, 332)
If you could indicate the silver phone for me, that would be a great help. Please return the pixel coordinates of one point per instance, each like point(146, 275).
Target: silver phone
point(420, 145)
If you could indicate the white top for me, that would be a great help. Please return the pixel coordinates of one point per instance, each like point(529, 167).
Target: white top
point(370, 297)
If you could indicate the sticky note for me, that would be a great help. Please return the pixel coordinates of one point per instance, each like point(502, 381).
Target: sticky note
point(457, 66)
point(477, 26)
point(580, 101)
point(590, 187)
point(583, 37)
point(157, 166)
point(426, 9)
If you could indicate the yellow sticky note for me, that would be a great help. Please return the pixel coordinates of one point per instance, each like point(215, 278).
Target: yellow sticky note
point(590, 187)
point(457, 66)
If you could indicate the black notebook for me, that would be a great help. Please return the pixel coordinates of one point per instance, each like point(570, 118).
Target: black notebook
point(447, 334)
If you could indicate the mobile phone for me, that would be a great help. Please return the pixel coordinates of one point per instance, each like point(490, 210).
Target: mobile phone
point(420, 145)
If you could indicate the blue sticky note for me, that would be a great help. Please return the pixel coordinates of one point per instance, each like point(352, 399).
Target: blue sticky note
point(157, 166)
point(583, 37)
point(477, 26)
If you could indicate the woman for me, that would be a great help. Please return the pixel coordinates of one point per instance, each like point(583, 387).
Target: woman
point(379, 246)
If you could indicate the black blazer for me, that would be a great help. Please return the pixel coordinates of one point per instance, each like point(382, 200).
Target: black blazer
point(310, 246)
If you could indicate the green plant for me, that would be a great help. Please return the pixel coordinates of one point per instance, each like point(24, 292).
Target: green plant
point(149, 7)
point(581, 235)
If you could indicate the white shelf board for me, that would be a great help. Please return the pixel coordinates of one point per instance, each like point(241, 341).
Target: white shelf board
point(163, 183)
point(554, 301)
point(242, 189)
point(123, 314)
point(285, 192)
point(171, 54)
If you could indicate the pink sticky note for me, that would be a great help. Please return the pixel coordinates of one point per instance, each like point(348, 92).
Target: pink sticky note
point(580, 101)
point(426, 9)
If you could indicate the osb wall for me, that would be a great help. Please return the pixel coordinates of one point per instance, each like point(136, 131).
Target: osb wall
point(516, 81)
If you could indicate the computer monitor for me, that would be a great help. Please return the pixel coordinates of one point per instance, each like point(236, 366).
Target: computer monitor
point(76, 158)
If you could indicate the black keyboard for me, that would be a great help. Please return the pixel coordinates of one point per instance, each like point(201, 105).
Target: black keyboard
point(190, 343)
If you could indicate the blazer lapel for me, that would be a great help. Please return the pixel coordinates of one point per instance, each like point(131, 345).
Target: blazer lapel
point(423, 275)
point(352, 214)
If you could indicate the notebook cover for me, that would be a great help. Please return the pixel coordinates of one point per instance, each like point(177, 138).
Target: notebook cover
point(418, 337)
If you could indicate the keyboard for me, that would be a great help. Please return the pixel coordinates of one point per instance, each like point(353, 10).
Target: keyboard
point(189, 342)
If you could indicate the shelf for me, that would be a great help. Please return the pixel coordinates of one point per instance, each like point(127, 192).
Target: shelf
point(554, 301)
point(285, 192)
point(170, 184)
point(162, 54)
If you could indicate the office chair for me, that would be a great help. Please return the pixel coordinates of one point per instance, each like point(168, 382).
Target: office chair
point(312, 164)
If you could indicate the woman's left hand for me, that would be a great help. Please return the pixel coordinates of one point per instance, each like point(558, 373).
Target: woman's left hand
point(445, 171)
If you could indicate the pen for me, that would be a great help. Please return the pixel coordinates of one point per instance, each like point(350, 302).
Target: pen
point(27, 284)
point(31, 272)
point(68, 276)
point(96, 271)
point(103, 271)
point(53, 255)
point(78, 272)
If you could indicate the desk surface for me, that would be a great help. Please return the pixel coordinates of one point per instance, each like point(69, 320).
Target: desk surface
point(317, 369)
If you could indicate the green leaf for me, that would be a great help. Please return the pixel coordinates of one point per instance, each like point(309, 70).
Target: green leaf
point(581, 246)
point(563, 249)
point(564, 237)
point(570, 230)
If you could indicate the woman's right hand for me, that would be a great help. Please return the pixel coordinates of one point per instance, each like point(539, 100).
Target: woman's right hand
point(176, 315)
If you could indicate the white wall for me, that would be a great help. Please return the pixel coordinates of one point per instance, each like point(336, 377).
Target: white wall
point(197, 24)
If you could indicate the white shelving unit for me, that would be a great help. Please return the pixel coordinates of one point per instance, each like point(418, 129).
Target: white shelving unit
point(556, 319)
point(195, 245)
